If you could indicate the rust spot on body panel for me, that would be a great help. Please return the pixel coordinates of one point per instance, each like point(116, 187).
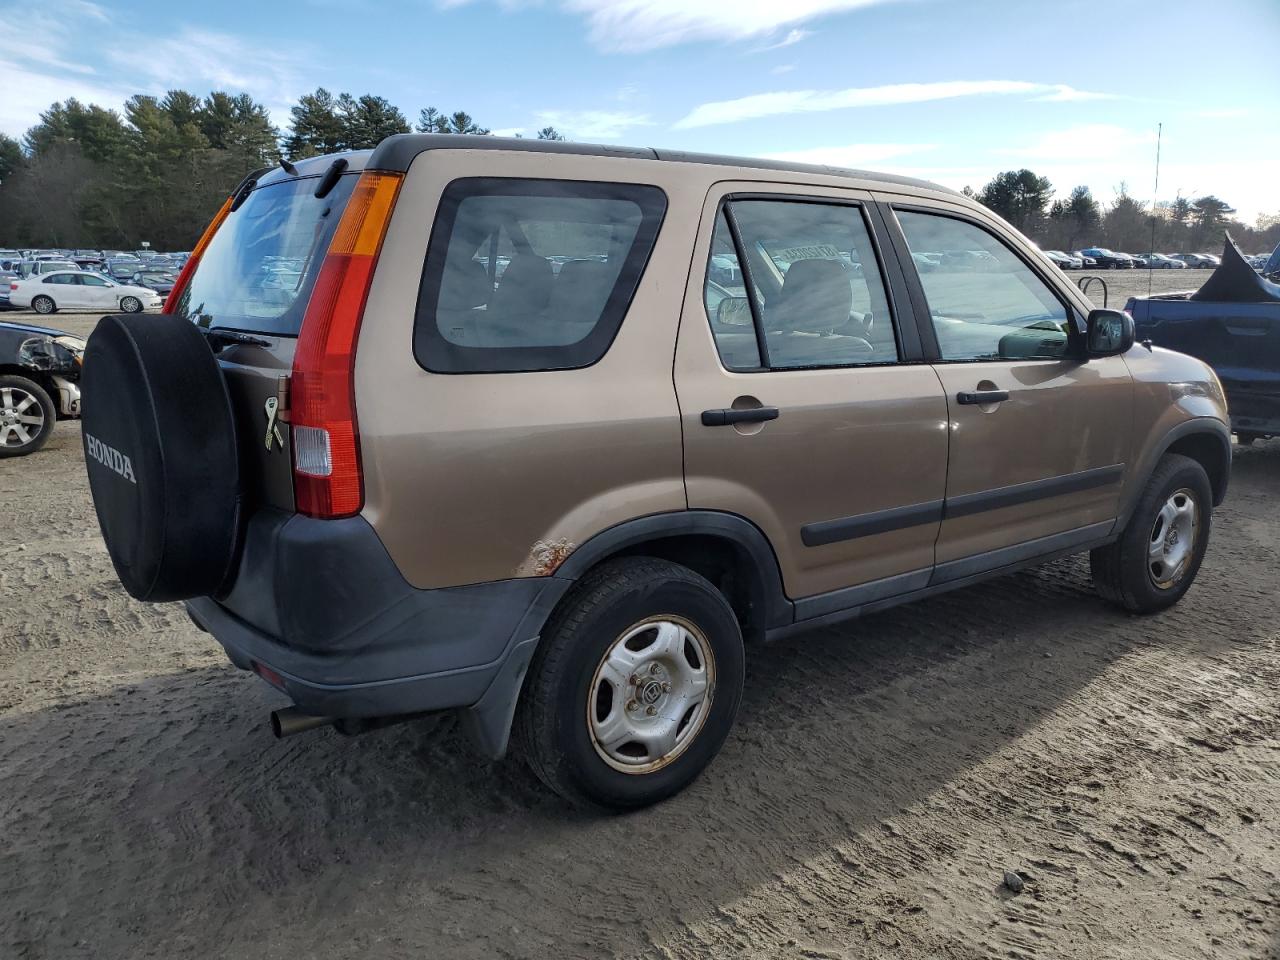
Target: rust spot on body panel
point(547, 555)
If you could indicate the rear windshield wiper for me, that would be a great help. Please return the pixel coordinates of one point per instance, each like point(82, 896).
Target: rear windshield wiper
point(218, 339)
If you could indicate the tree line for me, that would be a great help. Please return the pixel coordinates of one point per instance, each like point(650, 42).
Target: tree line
point(1182, 225)
point(89, 177)
point(86, 176)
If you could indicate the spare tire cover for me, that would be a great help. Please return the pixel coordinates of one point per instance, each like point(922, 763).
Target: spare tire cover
point(160, 449)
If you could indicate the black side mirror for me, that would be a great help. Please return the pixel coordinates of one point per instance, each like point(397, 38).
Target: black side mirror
point(1107, 333)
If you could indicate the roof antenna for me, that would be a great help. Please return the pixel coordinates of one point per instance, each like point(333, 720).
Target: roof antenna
point(1150, 267)
point(289, 168)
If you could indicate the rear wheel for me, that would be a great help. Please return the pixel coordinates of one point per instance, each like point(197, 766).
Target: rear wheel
point(1156, 558)
point(27, 416)
point(43, 304)
point(130, 305)
point(634, 687)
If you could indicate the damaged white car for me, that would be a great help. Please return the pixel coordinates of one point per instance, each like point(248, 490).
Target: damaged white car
point(39, 384)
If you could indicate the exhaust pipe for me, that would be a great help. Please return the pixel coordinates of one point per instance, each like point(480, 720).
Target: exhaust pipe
point(291, 720)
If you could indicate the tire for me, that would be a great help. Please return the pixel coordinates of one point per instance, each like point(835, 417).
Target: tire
point(162, 457)
point(621, 616)
point(1128, 572)
point(27, 416)
point(43, 304)
point(130, 305)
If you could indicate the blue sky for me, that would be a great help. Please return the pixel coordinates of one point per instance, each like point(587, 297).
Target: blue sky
point(950, 90)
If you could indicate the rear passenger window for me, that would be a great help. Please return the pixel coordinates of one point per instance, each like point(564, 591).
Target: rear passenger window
point(817, 298)
point(531, 274)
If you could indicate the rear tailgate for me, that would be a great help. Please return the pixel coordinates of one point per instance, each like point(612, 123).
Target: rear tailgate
point(254, 279)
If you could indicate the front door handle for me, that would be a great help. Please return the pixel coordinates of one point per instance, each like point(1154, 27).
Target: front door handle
point(982, 396)
point(728, 416)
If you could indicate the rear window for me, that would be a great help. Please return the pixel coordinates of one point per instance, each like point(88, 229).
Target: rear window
point(531, 274)
point(257, 272)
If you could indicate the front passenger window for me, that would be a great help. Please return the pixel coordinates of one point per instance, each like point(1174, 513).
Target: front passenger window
point(985, 303)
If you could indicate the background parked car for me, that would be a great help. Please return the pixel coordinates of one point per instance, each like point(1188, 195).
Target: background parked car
point(38, 268)
point(1197, 261)
point(1158, 261)
point(39, 384)
point(1109, 259)
point(7, 277)
point(161, 281)
point(1087, 261)
point(75, 289)
point(122, 268)
point(1065, 261)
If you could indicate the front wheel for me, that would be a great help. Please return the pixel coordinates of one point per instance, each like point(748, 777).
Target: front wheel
point(634, 686)
point(1157, 557)
point(43, 304)
point(130, 305)
point(27, 416)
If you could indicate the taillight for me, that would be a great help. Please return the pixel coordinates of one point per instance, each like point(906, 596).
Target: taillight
point(327, 480)
point(189, 267)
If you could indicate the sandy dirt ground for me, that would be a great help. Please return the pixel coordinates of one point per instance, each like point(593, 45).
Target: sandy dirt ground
point(882, 778)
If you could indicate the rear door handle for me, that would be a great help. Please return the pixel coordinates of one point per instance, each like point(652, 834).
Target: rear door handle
point(728, 416)
point(982, 396)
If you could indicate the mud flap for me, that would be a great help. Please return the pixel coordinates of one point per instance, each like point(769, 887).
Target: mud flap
point(487, 723)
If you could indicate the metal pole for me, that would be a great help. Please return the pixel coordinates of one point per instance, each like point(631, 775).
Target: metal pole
point(1154, 195)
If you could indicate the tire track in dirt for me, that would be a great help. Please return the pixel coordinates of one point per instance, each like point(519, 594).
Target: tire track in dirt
point(883, 776)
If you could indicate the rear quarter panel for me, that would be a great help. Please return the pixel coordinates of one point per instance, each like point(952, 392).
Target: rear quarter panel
point(478, 477)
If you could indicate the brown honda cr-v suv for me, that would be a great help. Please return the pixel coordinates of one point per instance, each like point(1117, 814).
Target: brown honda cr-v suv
point(547, 434)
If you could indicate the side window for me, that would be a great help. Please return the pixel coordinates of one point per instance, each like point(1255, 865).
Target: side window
point(531, 274)
point(817, 294)
point(89, 280)
point(725, 295)
point(985, 303)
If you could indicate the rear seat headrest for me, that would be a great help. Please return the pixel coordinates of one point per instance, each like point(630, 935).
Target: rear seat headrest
point(465, 284)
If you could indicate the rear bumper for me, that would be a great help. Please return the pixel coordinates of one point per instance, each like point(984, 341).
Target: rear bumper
point(1253, 410)
point(307, 677)
point(320, 604)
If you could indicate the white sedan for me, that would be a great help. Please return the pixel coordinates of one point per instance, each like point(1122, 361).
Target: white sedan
point(80, 290)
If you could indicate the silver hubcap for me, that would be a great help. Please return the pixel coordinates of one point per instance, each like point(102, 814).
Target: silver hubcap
point(651, 694)
point(21, 417)
point(43, 305)
point(1172, 544)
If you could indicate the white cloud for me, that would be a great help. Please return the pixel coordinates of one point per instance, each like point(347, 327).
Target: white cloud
point(593, 124)
point(791, 39)
point(1061, 93)
point(633, 25)
point(806, 101)
point(75, 48)
point(1094, 141)
point(858, 155)
point(40, 89)
point(782, 68)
